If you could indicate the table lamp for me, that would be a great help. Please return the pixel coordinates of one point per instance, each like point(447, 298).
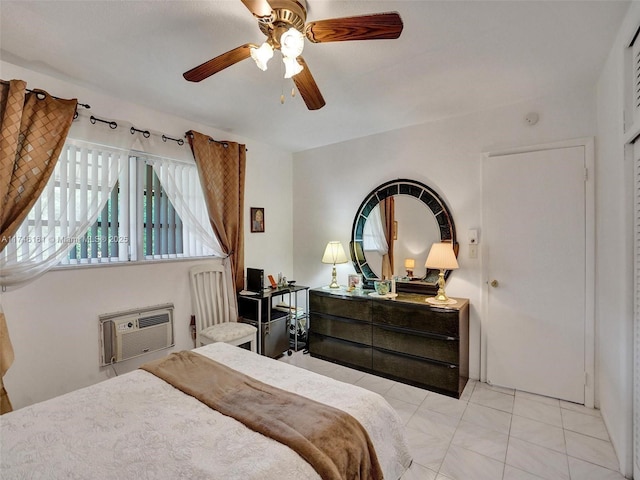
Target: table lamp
point(409, 265)
point(334, 253)
point(442, 257)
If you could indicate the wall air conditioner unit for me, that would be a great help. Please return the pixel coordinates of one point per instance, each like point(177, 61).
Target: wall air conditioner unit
point(129, 334)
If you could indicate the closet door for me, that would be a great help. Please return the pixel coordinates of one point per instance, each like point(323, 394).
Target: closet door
point(536, 266)
point(636, 311)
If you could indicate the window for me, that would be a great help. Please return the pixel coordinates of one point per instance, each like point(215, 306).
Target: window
point(373, 236)
point(162, 225)
point(104, 205)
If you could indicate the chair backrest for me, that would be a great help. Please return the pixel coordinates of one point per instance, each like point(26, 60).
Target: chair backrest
point(209, 295)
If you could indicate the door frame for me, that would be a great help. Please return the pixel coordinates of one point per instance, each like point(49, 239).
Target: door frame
point(591, 379)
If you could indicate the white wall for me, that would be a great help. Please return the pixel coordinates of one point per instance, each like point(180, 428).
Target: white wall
point(56, 341)
point(53, 321)
point(330, 182)
point(614, 255)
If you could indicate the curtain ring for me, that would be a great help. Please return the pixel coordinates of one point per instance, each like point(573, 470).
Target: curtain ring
point(145, 133)
point(113, 125)
point(179, 141)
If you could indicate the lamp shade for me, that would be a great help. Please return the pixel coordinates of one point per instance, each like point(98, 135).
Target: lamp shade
point(291, 66)
point(409, 263)
point(334, 253)
point(262, 55)
point(442, 257)
point(291, 43)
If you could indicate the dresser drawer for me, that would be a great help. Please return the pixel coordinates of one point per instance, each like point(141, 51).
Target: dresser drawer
point(434, 347)
point(355, 308)
point(346, 353)
point(439, 377)
point(418, 318)
point(343, 328)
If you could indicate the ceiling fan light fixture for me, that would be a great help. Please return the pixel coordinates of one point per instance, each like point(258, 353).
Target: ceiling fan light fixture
point(262, 55)
point(291, 67)
point(284, 23)
point(291, 43)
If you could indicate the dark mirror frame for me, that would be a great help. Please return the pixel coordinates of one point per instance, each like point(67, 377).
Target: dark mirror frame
point(436, 206)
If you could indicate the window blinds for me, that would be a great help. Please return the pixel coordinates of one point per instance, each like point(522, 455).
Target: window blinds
point(71, 202)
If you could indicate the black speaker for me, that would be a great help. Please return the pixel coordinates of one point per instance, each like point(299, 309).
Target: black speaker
point(255, 280)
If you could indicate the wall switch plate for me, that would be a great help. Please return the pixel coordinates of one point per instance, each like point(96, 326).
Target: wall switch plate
point(473, 251)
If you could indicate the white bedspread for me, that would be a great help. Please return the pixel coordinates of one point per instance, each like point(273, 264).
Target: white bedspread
point(136, 426)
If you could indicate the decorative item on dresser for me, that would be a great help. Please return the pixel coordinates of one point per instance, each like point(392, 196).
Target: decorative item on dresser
point(404, 339)
point(409, 264)
point(334, 253)
point(441, 257)
point(429, 220)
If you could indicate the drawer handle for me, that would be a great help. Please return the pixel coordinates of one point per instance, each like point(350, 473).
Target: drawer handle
point(339, 319)
point(416, 357)
point(417, 332)
point(323, 337)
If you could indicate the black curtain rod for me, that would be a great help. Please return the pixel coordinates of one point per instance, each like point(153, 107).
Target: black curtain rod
point(145, 133)
point(113, 125)
point(179, 141)
point(41, 95)
point(223, 143)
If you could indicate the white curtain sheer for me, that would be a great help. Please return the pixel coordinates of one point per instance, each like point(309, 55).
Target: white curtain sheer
point(181, 183)
point(373, 237)
point(95, 158)
point(71, 202)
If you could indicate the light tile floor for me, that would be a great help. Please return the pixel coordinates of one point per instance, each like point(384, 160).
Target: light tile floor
point(490, 433)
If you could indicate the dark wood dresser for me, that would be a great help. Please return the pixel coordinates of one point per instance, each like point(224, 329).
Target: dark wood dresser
point(404, 339)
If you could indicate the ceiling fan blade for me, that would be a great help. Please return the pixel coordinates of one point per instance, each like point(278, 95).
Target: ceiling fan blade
point(364, 27)
point(259, 8)
point(219, 63)
point(307, 87)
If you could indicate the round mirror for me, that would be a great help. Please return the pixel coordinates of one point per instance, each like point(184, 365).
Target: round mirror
point(395, 227)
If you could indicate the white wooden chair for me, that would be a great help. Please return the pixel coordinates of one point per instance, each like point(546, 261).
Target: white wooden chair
point(211, 307)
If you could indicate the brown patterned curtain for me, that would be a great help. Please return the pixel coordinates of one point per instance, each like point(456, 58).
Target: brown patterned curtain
point(32, 133)
point(6, 359)
point(387, 216)
point(221, 167)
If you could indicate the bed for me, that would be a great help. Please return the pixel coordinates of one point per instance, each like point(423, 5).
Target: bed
point(138, 426)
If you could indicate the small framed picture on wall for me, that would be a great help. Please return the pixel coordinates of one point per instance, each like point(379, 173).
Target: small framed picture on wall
point(257, 219)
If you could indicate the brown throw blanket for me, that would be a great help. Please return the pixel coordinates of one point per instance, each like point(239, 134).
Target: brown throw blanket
point(333, 442)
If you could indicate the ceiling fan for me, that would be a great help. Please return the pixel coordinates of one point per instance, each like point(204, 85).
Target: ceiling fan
point(284, 24)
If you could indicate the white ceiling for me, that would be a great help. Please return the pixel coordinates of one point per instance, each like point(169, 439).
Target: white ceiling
point(453, 58)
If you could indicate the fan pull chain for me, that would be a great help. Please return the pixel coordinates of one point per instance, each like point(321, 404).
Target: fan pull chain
point(282, 96)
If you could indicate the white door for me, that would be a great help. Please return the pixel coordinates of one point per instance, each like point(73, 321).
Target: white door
point(536, 267)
